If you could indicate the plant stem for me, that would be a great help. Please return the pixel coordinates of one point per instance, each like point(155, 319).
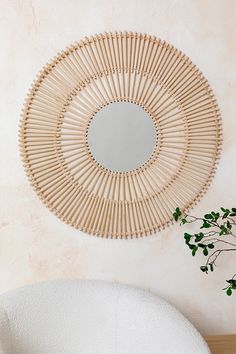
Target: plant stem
point(217, 253)
point(218, 240)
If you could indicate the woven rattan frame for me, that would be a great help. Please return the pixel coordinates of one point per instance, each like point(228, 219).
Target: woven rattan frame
point(81, 80)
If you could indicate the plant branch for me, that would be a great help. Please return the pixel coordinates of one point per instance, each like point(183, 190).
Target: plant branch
point(215, 240)
point(217, 253)
point(222, 224)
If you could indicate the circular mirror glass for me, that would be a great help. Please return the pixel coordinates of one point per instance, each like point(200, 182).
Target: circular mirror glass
point(122, 136)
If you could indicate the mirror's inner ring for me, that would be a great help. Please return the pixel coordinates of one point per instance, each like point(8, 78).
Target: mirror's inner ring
point(146, 136)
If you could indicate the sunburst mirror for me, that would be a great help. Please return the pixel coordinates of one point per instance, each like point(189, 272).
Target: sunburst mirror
point(117, 131)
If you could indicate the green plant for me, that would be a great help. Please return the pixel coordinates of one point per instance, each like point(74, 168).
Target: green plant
point(215, 237)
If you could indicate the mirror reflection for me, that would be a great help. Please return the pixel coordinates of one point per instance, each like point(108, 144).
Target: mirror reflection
point(122, 136)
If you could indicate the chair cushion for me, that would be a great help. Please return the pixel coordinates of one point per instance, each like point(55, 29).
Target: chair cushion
point(94, 317)
point(5, 333)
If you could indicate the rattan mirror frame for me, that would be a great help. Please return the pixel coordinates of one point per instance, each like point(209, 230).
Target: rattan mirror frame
point(113, 67)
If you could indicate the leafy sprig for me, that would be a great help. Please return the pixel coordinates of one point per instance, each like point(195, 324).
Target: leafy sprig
point(232, 285)
point(216, 231)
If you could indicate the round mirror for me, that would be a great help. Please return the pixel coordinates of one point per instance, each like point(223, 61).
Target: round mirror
point(122, 136)
point(87, 167)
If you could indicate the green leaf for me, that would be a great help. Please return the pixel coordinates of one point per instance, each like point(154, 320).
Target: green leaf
point(229, 226)
point(201, 245)
point(199, 237)
point(210, 245)
point(205, 225)
point(232, 281)
point(204, 269)
point(229, 291)
point(194, 251)
point(208, 216)
point(184, 221)
point(211, 267)
point(177, 214)
point(224, 230)
point(187, 237)
point(205, 251)
point(226, 214)
point(216, 216)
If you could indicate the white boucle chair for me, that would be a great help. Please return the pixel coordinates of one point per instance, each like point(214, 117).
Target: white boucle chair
point(93, 317)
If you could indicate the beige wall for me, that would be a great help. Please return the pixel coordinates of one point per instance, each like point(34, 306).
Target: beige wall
point(35, 245)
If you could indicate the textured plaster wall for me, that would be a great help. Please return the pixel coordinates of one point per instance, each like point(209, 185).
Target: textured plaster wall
point(36, 246)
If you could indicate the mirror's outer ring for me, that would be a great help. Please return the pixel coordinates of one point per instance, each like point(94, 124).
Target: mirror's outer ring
point(145, 52)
